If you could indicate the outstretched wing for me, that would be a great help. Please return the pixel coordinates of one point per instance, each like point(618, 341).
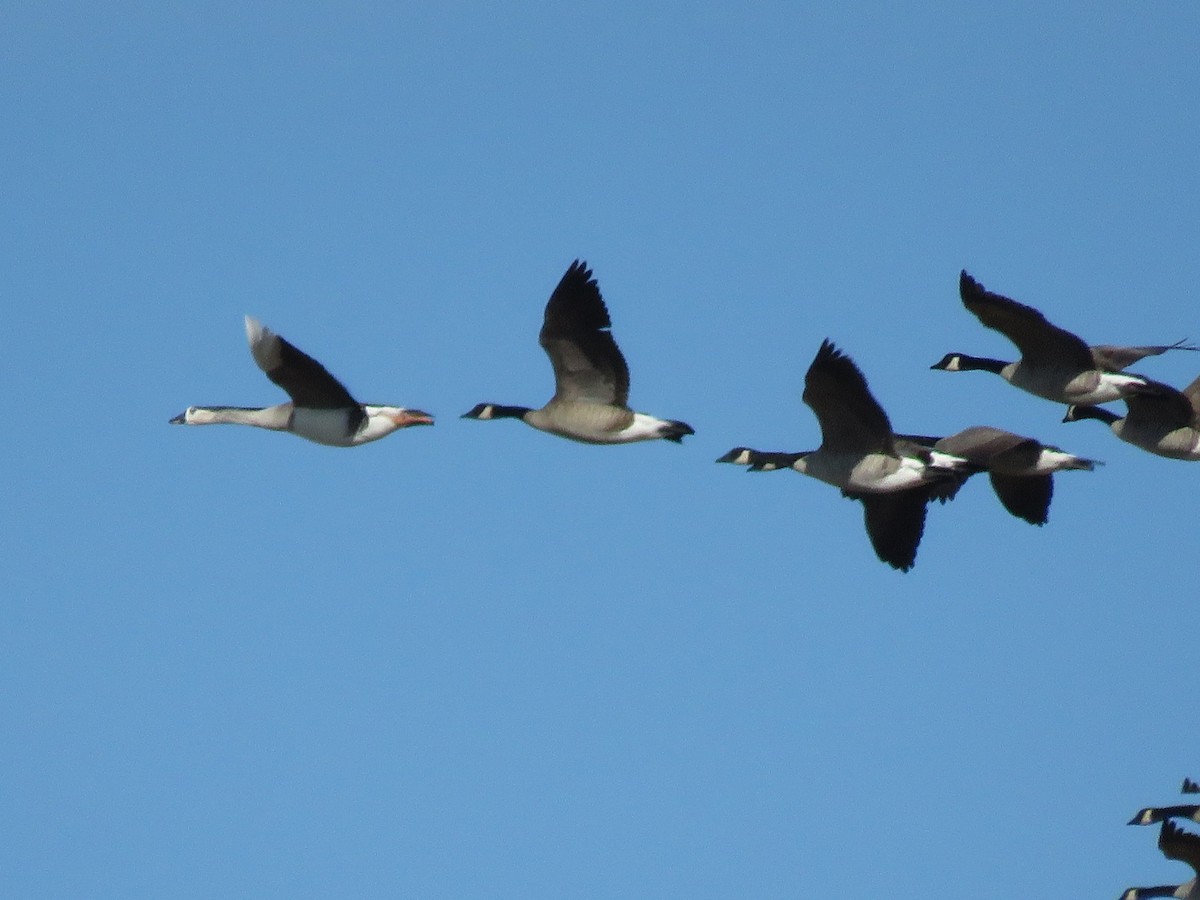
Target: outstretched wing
point(1175, 843)
point(851, 420)
point(1111, 358)
point(1040, 342)
point(306, 381)
point(588, 365)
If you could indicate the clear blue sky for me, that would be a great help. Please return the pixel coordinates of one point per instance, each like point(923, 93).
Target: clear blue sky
point(477, 661)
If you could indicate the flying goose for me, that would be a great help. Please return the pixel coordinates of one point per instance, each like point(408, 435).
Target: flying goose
point(1019, 468)
point(1152, 814)
point(1179, 845)
point(1189, 787)
point(321, 410)
point(1163, 421)
point(860, 455)
point(591, 378)
point(1054, 364)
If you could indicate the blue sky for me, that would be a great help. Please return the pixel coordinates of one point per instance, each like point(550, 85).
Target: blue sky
point(478, 661)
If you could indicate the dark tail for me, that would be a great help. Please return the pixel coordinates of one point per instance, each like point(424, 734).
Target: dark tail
point(675, 431)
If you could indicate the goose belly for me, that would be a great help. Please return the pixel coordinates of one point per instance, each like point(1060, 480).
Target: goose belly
point(1089, 388)
point(594, 423)
point(323, 426)
point(875, 473)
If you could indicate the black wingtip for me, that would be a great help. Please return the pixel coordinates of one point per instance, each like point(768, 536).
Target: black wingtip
point(180, 419)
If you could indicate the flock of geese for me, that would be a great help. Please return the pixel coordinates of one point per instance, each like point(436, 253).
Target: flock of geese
point(1175, 843)
point(894, 476)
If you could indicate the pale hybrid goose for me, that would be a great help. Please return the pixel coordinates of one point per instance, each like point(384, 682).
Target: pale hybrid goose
point(860, 455)
point(1054, 364)
point(321, 410)
point(1152, 814)
point(1179, 845)
point(1165, 422)
point(1021, 469)
point(591, 378)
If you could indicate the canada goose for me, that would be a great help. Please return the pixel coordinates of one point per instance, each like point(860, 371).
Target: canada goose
point(591, 378)
point(1019, 468)
point(859, 454)
point(1189, 787)
point(1054, 364)
point(321, 410)
point(1152, 814)
point(1179, 845)
point(1164, 421)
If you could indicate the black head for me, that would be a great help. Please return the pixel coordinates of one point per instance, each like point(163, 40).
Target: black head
point(951, 362)
point(1144, 817)
point(739, 456)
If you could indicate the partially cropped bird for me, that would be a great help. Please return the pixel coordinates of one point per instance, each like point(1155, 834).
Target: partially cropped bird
point(1162, 420)
point(591, 379)
point(1179, 845)
point(1152, 814)
point(321, 409)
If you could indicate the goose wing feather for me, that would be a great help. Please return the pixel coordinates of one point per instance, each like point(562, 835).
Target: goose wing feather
point(305, 380)
point(895, 523)
point(982, 443)
point(588, 365)
point(1177, 844)
point(1111, 358)
point(1025, 496)
point(851, 419)
point(1040, 342)
point(1161, 405)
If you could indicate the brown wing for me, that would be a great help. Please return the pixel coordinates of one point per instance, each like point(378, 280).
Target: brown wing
point(982, 443)
point(1040, 342)
point(588, 365)
point(851, 420)
point(1111, 358)
point(1160, 405)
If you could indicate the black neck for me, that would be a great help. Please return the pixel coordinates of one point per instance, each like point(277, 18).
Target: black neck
point(496, 411)
point(509, 412)
point(1099, 413)
point(1186, 812)
point(982, 363)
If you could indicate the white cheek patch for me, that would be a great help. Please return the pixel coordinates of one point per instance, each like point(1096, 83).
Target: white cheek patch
point(486, 412)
